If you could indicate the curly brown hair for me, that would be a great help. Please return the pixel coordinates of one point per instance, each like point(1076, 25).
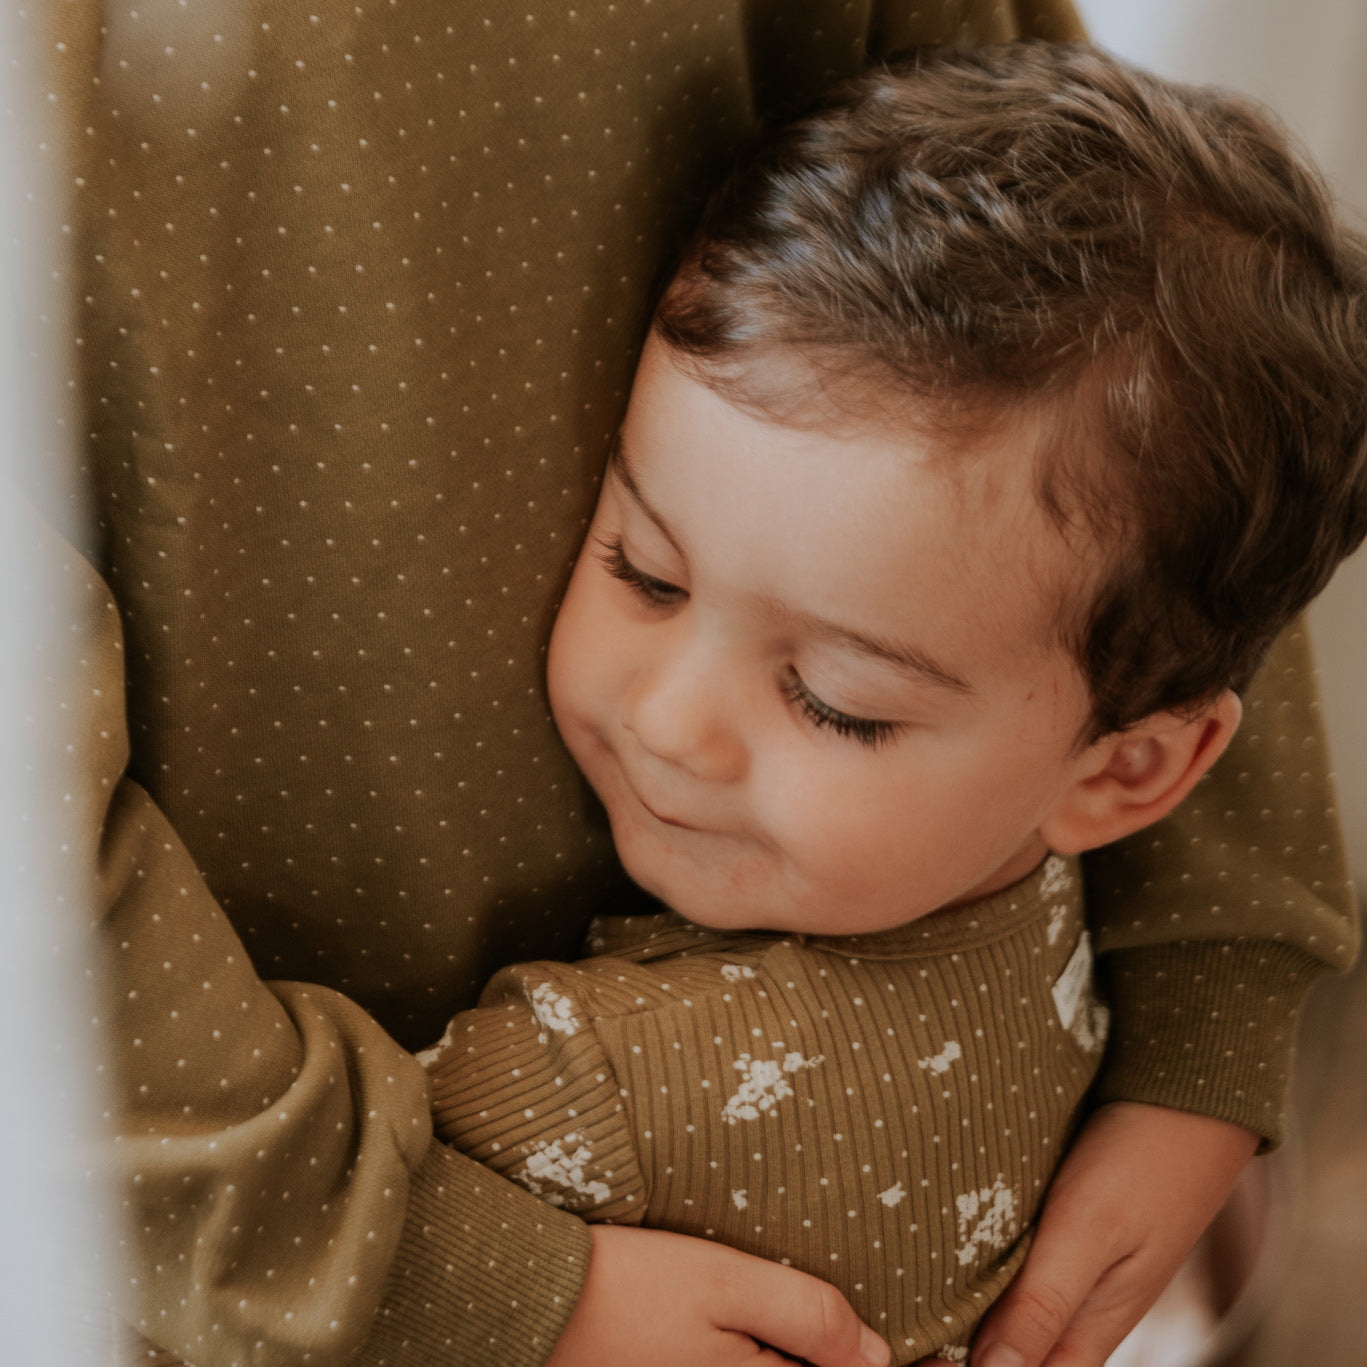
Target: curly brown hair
point(1151, 262)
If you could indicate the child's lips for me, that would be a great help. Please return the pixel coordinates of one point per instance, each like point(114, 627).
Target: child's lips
point(666, 820)
point(656, 812)
point(664, 812)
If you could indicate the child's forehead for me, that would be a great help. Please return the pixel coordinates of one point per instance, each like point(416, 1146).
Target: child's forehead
point(977, 460)
point(989, 449)
point(846, 393)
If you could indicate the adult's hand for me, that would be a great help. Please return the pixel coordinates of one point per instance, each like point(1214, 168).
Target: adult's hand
point(1125, 1208)
point(669, 1300)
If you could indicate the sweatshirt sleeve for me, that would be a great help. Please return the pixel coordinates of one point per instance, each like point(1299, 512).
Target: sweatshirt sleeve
point(1211, 925)
point(522, 1083)
point(281, 1202)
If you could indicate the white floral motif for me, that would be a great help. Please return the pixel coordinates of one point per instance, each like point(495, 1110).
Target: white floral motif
point(429, 1056)
point(894, 1195)
point(1054, 881)
point(561, 1164)
point(595, 941)
point(1091, 1025)
point(952, 1352)
point(764, 1085)
point(554, 1011)
point(987, 1219)
point(1054, 877)
point(733, 973)
point(1085, 1017)
point(940, 1062)
point(738, 1199)
point(1058, 919)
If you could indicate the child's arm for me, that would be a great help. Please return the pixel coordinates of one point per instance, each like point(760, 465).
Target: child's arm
point(523, 1083)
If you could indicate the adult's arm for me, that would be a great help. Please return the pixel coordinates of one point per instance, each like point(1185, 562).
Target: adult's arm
point(281, 1200)
point(1212, 925)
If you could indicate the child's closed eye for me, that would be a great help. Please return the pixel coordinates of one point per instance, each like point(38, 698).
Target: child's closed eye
point(656, 592)
point(865, 730)
point(653, 591)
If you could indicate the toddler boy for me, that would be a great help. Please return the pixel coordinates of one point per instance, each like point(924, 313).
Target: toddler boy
point(1001, 413)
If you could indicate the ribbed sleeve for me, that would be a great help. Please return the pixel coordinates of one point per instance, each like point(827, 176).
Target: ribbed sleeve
point(524, 1086)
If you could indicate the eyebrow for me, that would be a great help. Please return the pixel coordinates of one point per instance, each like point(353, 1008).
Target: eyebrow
point(907, 660)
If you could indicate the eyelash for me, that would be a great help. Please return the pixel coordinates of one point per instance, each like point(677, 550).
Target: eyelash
point(659, 593)
point(865, 730)
point(655, 592)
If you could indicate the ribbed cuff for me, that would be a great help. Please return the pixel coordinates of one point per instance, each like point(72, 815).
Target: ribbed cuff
point(484, 1273)
point(1208, 1027)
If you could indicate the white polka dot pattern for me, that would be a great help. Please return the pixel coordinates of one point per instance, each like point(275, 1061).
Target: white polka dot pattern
point(1212, 924)
point(883, 1111)
point(357, 289)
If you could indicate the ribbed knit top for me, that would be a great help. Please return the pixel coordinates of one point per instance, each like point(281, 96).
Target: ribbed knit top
point(883, 1111)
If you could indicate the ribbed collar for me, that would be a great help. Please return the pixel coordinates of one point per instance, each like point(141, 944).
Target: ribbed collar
point(1056, 883)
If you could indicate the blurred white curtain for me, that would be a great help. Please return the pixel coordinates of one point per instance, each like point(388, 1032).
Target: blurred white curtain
point(51, 1306)
point(1307, 59)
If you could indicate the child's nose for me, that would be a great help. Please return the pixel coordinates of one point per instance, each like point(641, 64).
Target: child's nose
point(681, 710)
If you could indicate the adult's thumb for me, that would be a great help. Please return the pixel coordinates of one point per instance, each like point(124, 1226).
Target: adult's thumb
point(1034, 1313)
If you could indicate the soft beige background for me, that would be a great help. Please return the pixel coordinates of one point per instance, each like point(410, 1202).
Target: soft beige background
point(1308, 60)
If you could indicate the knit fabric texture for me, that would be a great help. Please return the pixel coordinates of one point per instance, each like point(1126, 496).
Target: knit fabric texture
point(883, 1110)
point(355, 296)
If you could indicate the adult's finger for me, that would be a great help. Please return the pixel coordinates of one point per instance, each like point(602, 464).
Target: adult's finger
point(1125, 1207)
point(1030, 1319)
point(673, 1301)
point(1027, 1323)
point(797, 1314)
point(1040, 1331)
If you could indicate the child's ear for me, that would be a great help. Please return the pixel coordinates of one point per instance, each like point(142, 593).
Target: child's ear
point(1129, 779)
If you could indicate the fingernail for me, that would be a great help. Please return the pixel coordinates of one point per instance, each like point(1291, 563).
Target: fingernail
point(1000, 1355)
point(872, 1349)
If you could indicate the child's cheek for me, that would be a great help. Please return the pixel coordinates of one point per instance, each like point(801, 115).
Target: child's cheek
point(564, 671)
point(583, 667)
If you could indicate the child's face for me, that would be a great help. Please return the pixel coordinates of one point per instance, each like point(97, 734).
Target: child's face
point(811, 673)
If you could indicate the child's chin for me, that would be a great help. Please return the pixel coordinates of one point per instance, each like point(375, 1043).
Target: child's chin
point(680, 893)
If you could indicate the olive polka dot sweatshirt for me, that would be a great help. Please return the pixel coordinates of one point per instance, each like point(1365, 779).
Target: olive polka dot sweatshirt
point(883, 1110)
point(355, 293)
